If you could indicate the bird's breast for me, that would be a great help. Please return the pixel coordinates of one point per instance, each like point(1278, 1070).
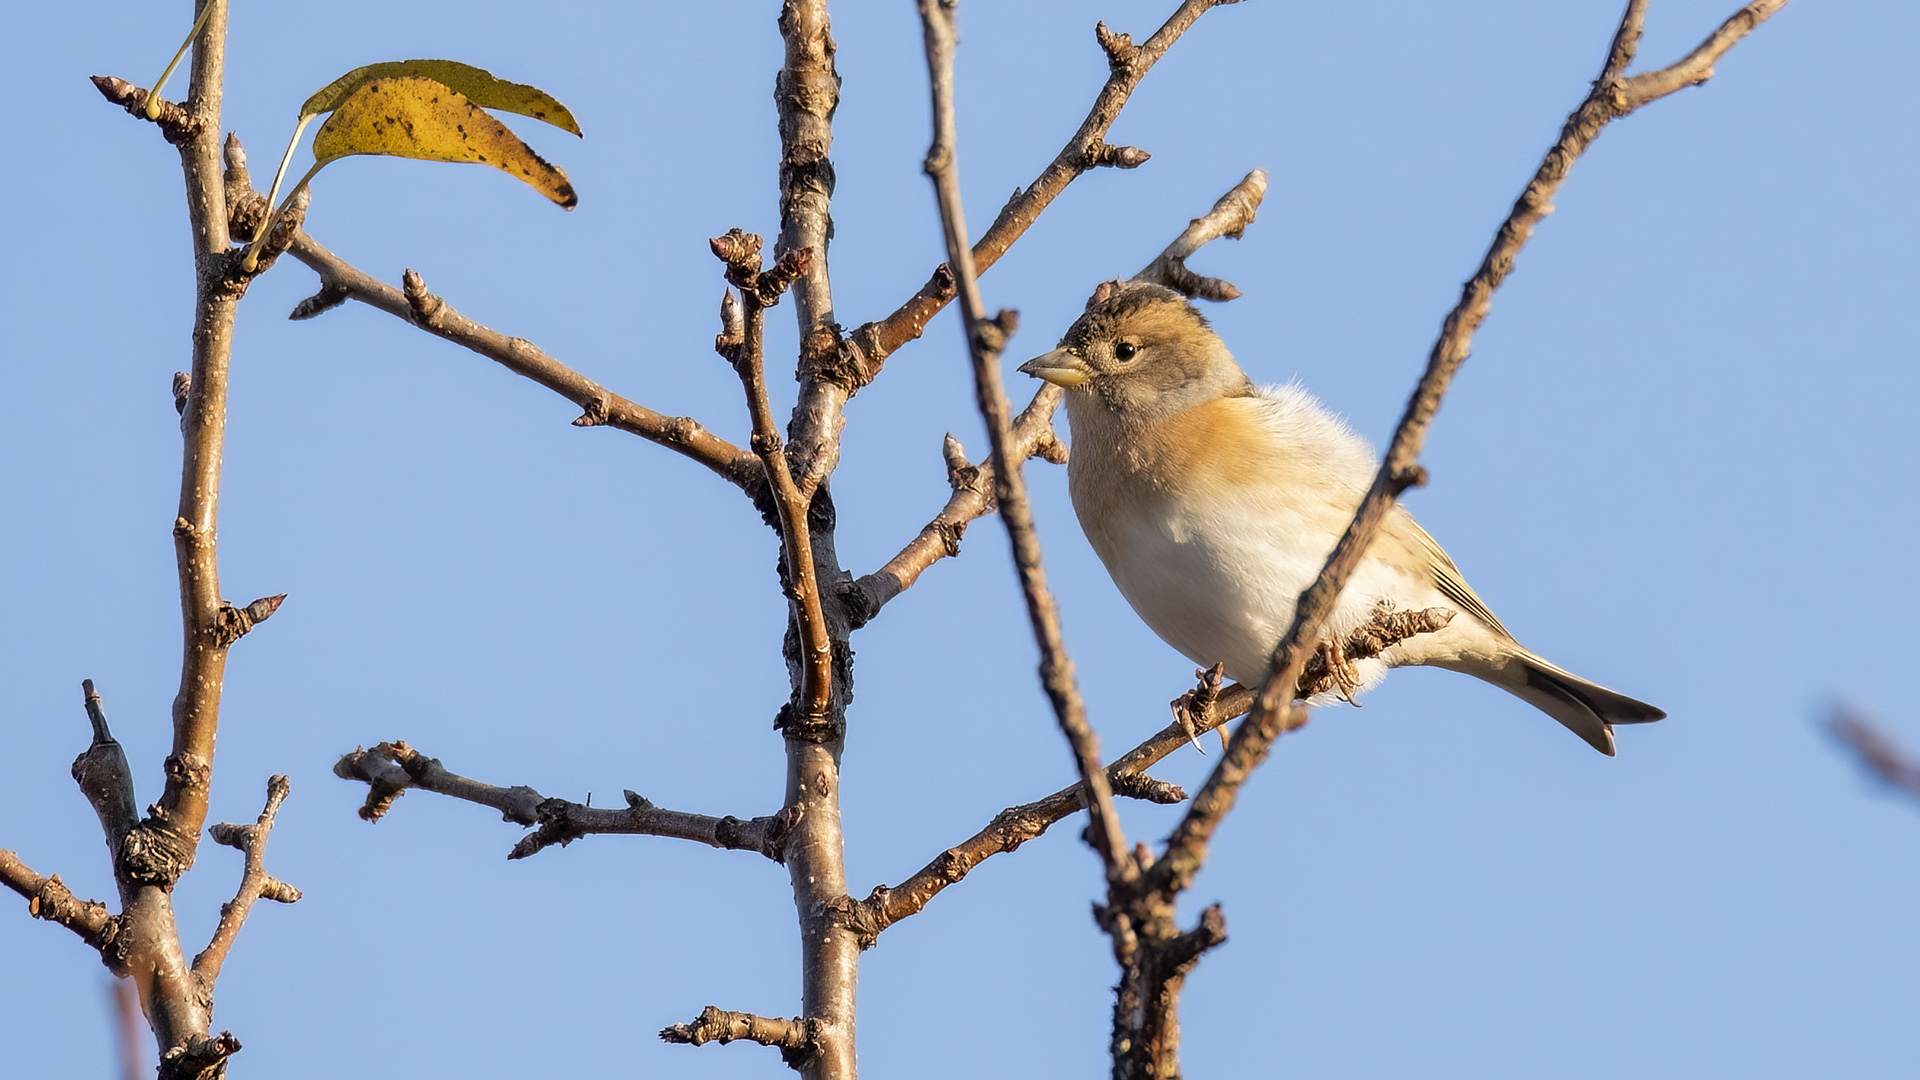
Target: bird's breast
point(1209, 527)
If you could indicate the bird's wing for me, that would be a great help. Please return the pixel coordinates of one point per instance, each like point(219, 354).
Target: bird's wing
point(1446, 577)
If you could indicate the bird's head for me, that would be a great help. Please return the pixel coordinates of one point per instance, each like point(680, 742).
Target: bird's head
point(1141, 352)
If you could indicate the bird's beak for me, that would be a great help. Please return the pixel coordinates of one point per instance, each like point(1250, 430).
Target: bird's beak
point(1059, 367)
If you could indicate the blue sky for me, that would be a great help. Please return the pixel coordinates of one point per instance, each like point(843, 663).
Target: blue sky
point(1679, 462)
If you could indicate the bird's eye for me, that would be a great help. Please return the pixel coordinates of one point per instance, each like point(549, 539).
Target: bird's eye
point(1125, 351)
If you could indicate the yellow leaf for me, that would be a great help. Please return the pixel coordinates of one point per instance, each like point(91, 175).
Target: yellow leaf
point(412, 116)
point(480, 87)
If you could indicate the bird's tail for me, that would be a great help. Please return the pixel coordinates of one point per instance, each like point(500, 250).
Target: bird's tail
point(1589, 710)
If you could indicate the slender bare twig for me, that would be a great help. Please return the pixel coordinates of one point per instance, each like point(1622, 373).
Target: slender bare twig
point(1032, 436)
point(1876, 751)
point(1697, 66)
point(1206, 708)
point(390, 769)
point(1230, 216)
point(740, 341)
point(47, 898)
point(797, 1039)
point(128, 1030)
point(599, 406)
point(255, 882)
point(985, 340)
point(868, 347)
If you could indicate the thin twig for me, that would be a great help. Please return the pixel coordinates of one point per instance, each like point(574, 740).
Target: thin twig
point(599, 406)
point(255, 882)
point(797, 1038)
point(390, 769)
point(1876, 751)
point(1032, 436)
point(1230, 216)
point(985, 340)
point(47, 898)
point(741, 342)
point(868, 347)
point(1206, 708)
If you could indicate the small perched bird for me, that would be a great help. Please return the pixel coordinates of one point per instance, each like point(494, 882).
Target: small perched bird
point(1214, 503)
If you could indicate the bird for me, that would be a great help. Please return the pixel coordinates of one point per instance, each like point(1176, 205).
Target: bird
point(1214, 503)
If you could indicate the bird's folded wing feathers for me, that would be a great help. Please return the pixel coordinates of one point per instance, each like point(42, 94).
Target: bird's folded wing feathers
point(1446, 577)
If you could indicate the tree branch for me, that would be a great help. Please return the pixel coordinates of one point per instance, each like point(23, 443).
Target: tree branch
point(600, 406)
point(390, 769)
point(1207, 707)
point(741, 341)
point(985, 340)
point(48, 899)
point(1031, 436)
point(1230, 216)
point(813, 723)
point(1876, 751)
point(255, 882)
point(1697, 66)
point(798, 1038)
point(868, 347)
point(807, 92)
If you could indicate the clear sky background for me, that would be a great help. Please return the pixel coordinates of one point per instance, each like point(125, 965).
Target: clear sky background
point(1680, 462)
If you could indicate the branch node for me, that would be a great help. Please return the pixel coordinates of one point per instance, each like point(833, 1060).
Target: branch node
point(198, 1058)
point(176, 124)
point(593, 413)
point(422, 303)
point(233, 623)
point(329, 296)
point(1103, 155)
point(1120, 49)
point(797, 1039)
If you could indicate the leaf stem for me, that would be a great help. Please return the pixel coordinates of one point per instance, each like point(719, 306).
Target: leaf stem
point(152, 108)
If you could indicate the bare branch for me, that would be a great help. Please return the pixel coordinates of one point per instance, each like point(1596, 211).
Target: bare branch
point(48, 899)
point(600, 406)
point(806, 93)
point(129, 1029)
point(1207, 707)
point(1032, 436)
point(868, 347)
point(741, 344)
point(255, 882)
point(985, 340)
point(176, 124)
point(1273, 711)
point(391, 768)
point(104, 778)
point(797, 1038)
point(813, 723)
point(1876, 751)
point(1697, 66)
point(1230, 216)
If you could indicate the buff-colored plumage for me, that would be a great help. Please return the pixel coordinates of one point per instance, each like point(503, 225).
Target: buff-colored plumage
point(1214, 503)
